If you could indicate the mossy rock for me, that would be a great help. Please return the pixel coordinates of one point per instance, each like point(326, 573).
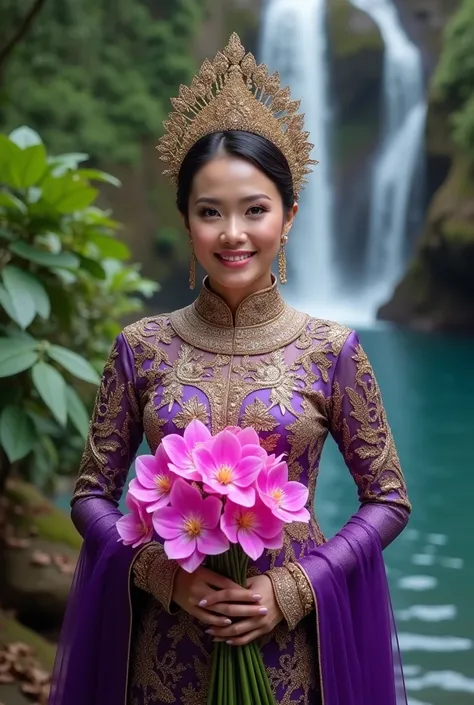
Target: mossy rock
point(351, 31)
point(37, 564)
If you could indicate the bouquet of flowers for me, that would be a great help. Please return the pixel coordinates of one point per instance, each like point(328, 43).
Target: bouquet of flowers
point(220, 496)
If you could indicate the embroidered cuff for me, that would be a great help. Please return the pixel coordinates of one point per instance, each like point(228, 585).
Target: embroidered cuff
point(154, 573)
point(292, 593)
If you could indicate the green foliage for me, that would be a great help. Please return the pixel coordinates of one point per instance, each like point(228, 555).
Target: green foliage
point(454, 80)
point(64, 285)
point(98, 73)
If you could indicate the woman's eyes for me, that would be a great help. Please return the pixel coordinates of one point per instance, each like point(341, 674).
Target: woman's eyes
point(213, 213)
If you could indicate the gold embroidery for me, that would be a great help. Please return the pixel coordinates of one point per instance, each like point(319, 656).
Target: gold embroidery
point(153, 424)
point(191, 409)
point(263, 323)
point(298, 671)
point(154, 573)
point(287, 595)
point(109, 434)
point(257, 416)
point(270, 442)
point(372, 439)
point(304, 589)
point(187, 625)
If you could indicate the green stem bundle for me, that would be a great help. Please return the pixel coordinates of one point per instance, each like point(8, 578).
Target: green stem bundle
point(238, 676)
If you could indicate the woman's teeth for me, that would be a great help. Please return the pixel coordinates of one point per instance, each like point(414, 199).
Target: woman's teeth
point(236, 258)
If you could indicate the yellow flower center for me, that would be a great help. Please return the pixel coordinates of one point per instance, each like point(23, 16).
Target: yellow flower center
point(163, 483)
point(192, 527)
point(246, 520)
point(224, 475)
point(278, 494)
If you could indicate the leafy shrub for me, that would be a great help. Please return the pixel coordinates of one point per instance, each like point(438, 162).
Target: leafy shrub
point(454, 80)
point(64, 286)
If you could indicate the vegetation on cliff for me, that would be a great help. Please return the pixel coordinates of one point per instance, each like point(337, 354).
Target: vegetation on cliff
point(97, 73)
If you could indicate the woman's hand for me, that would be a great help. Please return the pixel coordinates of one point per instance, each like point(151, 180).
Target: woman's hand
point(194, 593)
point(254, 621)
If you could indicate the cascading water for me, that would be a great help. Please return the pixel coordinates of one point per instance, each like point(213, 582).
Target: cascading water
point(396, 199)
point(294, 43)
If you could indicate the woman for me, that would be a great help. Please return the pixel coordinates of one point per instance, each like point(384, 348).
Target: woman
point(139, 629)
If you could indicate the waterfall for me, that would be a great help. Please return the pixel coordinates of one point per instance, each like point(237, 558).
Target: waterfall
point(396, 205)
point(294, 43)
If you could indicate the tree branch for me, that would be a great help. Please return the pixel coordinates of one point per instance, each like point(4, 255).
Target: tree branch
point(21, 31)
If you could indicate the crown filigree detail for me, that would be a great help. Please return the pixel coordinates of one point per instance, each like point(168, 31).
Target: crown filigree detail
point(234, 93)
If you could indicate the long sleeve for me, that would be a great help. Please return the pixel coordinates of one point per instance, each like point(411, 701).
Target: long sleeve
point(358, 423)
point(115, 434)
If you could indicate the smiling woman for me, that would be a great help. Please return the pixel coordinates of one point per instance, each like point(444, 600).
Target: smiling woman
point(141, 629)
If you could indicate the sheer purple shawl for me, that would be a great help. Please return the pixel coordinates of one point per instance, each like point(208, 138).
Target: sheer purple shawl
point(359, 657)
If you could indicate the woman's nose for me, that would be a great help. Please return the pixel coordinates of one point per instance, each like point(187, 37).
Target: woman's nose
point(232, 232)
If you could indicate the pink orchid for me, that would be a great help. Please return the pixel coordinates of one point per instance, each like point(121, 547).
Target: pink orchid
point(255, 528)
point(190, 526)
point(228, 468)
point(286, 499)
point(179, 449)
point(154, 480)
point(249, 436)
point(135, 528)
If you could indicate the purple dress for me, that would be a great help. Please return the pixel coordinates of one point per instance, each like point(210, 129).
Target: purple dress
point(294, 379)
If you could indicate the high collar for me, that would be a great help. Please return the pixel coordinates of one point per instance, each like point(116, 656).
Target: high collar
point(263, 322)
point(256, 309)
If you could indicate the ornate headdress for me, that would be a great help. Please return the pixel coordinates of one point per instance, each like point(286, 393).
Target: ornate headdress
point(233, 93)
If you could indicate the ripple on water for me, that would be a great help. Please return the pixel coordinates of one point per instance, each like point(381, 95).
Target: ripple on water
point(434, 644)
point(428, 613)
point(445, 680)
point(417, 582)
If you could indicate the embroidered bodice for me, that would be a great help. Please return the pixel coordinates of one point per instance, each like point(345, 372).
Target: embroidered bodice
point(293, 378)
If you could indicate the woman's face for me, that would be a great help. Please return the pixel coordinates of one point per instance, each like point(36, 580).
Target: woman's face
point(236, 221)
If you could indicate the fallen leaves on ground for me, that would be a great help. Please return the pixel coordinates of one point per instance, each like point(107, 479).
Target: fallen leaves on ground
point(18, 664)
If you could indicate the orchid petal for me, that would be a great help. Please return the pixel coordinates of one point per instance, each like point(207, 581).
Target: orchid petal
point(146, 470)
point(247, 471)
point(229, 523)
point(302, 515)
point(295, 496)
point(212, 543)
point(249, 436)
point(168, 523)
point(226, 449)
point(204, 461)
point(176, 450)
point(184, 496)
point(194, 561)
point(274, 542)
point(180, 547)
point(277, 476)
point(211, 510)
point(142, 494)
point(251, 543)
point(243, 496)
point(196, 432)
point(129, 529)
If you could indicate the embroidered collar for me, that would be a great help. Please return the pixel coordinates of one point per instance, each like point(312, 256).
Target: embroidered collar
point(263, 323)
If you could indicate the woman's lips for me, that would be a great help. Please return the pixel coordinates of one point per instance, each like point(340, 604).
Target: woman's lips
point(234, 260)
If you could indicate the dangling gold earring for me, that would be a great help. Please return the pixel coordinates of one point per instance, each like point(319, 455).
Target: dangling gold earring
point(192, 268)
point(282, 259)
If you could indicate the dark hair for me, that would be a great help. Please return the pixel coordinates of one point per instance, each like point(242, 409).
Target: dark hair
point(256, 149)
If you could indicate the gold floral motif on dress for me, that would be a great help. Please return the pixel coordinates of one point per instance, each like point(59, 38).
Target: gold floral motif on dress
point(191, 410)
point(372, 440)
point(256, 415)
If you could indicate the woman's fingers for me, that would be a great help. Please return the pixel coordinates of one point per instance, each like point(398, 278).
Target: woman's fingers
point(214, 580)
point(237, 629)
point(229, 594)
point(235, 610)
point(247, 638)
point(209, 618)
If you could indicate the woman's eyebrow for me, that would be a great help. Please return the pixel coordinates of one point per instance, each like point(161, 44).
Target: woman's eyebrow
point(245, 199)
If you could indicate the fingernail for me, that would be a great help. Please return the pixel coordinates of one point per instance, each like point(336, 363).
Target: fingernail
point(208, 631)
point(230, 642)
point(203, 603)
point(227, 621)
point(256, 597)
point(263, 610)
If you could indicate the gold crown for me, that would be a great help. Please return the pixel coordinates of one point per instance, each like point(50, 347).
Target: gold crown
point(233, 93)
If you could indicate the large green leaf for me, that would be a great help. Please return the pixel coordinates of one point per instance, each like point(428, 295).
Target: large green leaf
point(17, 433)
point(51, 387)
point(68, 193)
point(66, 162)
point(110, 247)
point(93, 267)
point(11, 347)
point(8, 200)
point(59, 260)
point(25, 137)
point(19, 363)
point(97, 175)
point(77, 412)
point(7, 303)
point(28, 166)
point(74, 363)
point(27, 294)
